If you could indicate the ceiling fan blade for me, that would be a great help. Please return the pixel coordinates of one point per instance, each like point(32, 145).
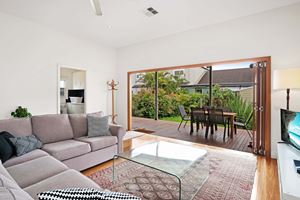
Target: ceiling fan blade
point(97, 7)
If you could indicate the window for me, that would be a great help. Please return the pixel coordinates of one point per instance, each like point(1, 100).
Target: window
point(179, 73)
point(138, 77)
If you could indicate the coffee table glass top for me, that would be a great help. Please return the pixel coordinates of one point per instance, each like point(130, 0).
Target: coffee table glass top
point(188, 164)
point(168, 157)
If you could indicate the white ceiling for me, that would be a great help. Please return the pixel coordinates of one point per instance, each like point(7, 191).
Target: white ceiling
point(123, 21)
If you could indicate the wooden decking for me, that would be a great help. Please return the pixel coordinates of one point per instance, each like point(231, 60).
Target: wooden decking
point(168, 129)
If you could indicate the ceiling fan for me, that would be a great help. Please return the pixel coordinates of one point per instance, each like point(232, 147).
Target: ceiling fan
point(97, 7)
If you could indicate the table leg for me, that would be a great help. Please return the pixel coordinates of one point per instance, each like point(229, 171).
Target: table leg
point(113, 172)
point(180, 192)
point(192, 127)
point(232, 126)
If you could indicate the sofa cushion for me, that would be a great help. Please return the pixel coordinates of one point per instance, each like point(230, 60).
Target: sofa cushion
point(31, 172)
point(10, 190)
point(97, 143)
point(17, 127)
point(66, 179)
point(26, 144)
point(5, 173)
point(52, 128)
point(79, 124)
point(91, 159)
point(13, 194)
point(26, 157)
point(67, 149)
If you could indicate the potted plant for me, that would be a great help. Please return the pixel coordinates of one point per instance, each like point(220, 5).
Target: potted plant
point(20, 112)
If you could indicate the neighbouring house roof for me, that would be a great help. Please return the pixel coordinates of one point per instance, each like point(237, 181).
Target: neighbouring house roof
point(243, 77)
point(229, 76)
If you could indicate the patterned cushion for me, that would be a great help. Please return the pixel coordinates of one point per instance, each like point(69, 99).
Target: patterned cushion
point(83, 194)
point(98, 126)
point(25, 144)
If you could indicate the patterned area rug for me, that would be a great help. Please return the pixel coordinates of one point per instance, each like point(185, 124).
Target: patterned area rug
point(231, 177)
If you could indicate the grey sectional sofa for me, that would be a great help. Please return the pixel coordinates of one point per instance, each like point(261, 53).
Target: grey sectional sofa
point(66, 150)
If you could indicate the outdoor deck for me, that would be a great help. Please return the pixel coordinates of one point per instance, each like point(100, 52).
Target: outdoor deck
point(168, 129)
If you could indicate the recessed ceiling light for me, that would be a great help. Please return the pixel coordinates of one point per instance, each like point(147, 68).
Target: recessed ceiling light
point(150, 12)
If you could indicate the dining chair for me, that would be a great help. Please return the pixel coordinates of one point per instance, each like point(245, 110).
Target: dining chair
point(227, 118)
point(199, 116)
point(244, 124)
point(206, 109)
point(216, 116)
point(184, 116)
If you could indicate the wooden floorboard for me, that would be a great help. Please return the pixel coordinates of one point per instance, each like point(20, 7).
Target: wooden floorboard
point(265, 186)
point(168, 129)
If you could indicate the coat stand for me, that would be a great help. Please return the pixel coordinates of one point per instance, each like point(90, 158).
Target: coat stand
point(112, 86)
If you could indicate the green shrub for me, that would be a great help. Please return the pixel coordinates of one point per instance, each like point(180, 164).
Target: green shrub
point(189, 100)
point(221, 96)
point(242, 108)
point(143, 104)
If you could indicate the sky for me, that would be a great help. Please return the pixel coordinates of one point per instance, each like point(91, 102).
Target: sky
point(231, 66)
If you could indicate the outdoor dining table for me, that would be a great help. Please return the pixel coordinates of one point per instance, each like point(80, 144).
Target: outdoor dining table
point(230, 115)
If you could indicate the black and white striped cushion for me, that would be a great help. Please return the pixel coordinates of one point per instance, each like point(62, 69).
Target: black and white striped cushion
point(84, 194)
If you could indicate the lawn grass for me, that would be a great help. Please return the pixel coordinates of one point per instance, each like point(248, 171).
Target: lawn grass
point(172, 119)
point(178, 119)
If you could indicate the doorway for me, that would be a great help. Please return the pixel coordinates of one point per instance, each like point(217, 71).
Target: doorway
point(71, 90)
point(256, 80)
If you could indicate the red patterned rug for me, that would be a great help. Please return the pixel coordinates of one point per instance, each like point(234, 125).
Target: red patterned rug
point(230, 177)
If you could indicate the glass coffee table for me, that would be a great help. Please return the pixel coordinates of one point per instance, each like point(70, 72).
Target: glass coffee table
point(188, 164)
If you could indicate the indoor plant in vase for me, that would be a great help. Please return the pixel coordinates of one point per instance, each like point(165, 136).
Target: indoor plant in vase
point(20, 112)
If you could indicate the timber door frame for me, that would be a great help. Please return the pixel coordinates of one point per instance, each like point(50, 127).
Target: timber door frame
point(267, 59)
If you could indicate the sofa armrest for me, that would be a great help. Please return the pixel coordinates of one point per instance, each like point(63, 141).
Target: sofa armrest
point(119, 131)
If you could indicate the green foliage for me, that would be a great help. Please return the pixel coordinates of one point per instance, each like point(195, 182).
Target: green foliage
point(167, 103)
point(167, 81)
point(242, 108)
point(21, 112)
point(189, 100)
point(172, 118)
point(143, 104)
point(221, 97)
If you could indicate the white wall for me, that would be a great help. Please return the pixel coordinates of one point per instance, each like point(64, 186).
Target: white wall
point(29, 56)
point(275, 33)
